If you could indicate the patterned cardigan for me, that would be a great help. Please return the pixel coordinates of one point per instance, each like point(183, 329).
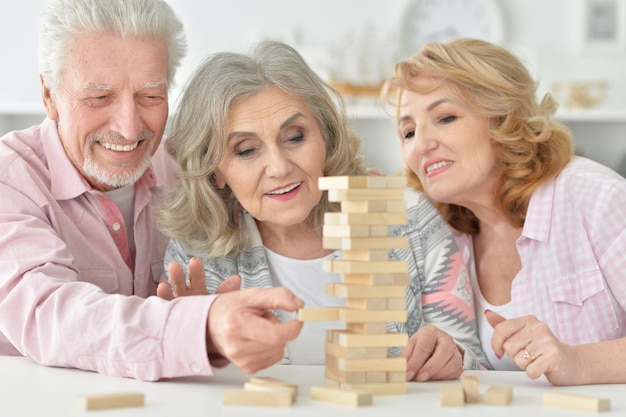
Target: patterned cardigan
point(439, 292)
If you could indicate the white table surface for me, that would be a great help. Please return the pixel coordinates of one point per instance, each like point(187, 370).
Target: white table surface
point(29, 389)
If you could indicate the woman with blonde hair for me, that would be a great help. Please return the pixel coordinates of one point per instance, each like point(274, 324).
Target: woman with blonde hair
point(542, 230)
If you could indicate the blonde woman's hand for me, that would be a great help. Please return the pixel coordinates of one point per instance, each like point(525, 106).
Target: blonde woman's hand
point(533, 347)
point(179, 287)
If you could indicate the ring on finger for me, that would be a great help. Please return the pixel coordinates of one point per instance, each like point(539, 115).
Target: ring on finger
point(528, 356)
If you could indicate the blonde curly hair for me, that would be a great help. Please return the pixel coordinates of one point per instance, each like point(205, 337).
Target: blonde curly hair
point(530, 146)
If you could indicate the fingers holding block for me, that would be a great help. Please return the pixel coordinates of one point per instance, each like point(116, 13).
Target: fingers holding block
point(113, 400)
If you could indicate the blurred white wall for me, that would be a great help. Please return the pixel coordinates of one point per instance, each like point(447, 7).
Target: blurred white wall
point(545, 33)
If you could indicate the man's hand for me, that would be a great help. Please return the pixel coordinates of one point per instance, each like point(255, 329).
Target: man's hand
point(242, 330)
point(178, 286)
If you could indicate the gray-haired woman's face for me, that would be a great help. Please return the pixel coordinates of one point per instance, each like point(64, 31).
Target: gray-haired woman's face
point(275, 154)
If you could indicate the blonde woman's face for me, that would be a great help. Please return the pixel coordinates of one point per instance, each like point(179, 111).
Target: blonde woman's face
point(447, 146)
point(275, 154)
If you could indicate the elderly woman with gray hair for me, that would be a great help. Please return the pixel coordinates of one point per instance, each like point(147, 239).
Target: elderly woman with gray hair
point(252, 135)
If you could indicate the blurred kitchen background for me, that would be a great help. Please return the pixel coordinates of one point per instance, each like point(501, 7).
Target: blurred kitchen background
point(575, 48)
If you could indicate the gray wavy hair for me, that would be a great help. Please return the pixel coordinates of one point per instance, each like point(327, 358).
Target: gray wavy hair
point(198, 213)
point(62, 20)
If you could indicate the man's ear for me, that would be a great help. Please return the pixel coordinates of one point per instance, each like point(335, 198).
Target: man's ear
point(48, 101)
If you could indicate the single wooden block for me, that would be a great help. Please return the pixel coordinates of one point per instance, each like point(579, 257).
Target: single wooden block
point(251, 386)
point(112, 400)
point(392, 206)
point(377, 255)
point(361, 181)
point(377, 279)
point(369, 291)
point(274, 381)
point(389, 242)
point(344, 396)
point(471, 388)
point(367, 304)
point(371, 316)
point(343, 182)
point(346, 230)
point(575, 401)
point(451, 396)
point(371, 219)
point(347, 339)
point(318, 314)
point(389, 388)
point(387, 364)
point(338, 351)
point(498, 395)
point(274, 398)
point(359, 267)
point(366, 328)
point(396, 376)
point(334, 374)
point(359, 194)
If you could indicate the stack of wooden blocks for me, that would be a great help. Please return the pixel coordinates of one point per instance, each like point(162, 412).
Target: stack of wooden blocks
point(373, 286)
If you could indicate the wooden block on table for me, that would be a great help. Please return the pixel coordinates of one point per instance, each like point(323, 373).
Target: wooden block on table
point(274, 398)
point(498, 395)
point(344, 396)
point(318, 314)
point(359, 194)
point(359, 267)
point(471, 388)
point(451, 396)
point(251, 386)
point(371, 219)
point(391, 206)
point(389, 242)
point(388, 388)
point(377, 279)
point(365, 291)
point(272, 380)
point(575, 402)
point(112, 400)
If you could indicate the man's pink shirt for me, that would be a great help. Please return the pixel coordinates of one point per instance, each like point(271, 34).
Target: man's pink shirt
point(69, 295)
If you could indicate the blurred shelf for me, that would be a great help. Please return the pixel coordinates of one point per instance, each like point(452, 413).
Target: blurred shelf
point(371, 109)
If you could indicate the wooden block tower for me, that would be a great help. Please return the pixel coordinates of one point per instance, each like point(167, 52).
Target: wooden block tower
point(372, 285)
